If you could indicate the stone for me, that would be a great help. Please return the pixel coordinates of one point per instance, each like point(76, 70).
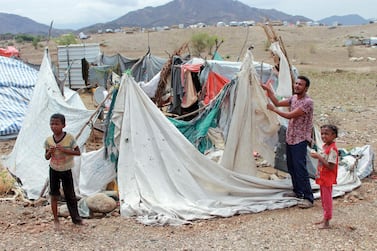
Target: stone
point(101, 203)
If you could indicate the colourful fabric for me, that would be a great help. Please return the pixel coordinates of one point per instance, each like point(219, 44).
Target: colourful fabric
point(196, 130)
point(300, 128)
point(190, 95)
point(61, 161)
point(189, 68)
point(215, 82)
point(326, 199)
point(326, 176)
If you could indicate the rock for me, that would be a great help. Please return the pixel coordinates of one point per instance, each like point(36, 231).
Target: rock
point(101, 203)
point(63, 210)
point(6, 182)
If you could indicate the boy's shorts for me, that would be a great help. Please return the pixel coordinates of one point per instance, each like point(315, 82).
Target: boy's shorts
point(56, 177)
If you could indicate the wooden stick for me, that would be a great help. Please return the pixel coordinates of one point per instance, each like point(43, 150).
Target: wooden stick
point(275, 38)
point(289, 63)
point(95, 112)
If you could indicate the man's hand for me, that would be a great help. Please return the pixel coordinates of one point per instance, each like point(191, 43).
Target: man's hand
point(267, 86)
point(270, 107)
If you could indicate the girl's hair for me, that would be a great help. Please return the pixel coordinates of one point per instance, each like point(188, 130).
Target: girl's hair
point(333, 128)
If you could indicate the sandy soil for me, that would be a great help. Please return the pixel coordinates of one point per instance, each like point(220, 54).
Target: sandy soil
point(344, 93)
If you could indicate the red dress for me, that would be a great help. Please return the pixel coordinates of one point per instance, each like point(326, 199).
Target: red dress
point(325, 176)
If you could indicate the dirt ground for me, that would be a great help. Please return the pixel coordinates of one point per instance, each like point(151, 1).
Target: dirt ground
point(344, 93)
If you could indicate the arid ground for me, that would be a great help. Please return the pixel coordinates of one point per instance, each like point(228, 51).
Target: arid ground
point(344, 93)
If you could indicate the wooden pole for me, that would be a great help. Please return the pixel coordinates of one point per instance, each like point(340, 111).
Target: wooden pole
point(99, 107)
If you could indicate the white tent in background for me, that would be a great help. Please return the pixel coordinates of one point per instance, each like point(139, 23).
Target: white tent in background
point(27, 161)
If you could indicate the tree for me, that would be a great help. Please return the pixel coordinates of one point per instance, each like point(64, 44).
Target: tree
point(66, 39)
point(202, 41)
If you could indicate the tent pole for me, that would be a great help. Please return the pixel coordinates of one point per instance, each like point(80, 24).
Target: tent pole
point(99, 108)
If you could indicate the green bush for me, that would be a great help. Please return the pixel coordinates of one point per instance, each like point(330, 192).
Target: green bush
point(202, 41)
point(24, 38)
point(28, 38)
point(66, 39)
point(35, 42)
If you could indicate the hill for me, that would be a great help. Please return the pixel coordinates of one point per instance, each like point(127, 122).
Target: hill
point(351, 19)
point(175, 12)
point(189, 12)
point(14, 24)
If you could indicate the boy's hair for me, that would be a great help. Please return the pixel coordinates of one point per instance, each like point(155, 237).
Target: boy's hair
point(333, 128)
point(307, 81)
point(59, 116)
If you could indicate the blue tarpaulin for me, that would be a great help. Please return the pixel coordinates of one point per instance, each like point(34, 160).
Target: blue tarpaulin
point(17, 81)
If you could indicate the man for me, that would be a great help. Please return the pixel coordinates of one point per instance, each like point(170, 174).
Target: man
point(300, 116)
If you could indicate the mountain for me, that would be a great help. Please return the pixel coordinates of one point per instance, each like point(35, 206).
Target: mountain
point(14, 24)
point(176, 12)
point(189, 12)
point(351, 19)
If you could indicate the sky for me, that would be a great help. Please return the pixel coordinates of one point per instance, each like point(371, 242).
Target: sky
point(75, 14)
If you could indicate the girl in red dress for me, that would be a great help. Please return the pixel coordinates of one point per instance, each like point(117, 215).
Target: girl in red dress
point(327, 171)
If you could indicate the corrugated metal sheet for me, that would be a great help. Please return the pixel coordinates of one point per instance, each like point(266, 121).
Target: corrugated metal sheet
point(72, 55)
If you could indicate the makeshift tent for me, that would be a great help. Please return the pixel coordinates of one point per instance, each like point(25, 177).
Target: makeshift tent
point(17, 81)
point(142, 69)
point(212, 75)
point(26, 161)
point(72, 59)
point(163, 179)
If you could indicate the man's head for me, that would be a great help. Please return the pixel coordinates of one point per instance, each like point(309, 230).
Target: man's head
point(307, 81)
point(301, 85)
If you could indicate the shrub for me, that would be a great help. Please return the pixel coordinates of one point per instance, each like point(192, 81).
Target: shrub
point(66, 39)
point(35, 42)
point(202, 41)
point(24, 38)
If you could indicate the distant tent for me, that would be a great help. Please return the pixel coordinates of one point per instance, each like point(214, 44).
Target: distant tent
point(10, 51)
point(217, 56)
point(142, 69)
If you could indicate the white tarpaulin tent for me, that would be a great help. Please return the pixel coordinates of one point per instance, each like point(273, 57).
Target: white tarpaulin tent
point(26, 161)
point(164, 179)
